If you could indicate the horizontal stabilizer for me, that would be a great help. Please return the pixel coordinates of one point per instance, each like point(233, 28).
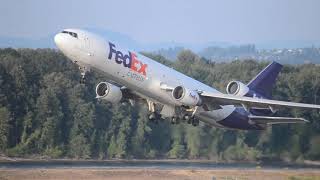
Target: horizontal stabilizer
point(229, 99)
point(276, 120)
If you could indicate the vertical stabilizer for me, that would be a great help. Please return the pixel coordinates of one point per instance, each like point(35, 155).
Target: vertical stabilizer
point(265, 80)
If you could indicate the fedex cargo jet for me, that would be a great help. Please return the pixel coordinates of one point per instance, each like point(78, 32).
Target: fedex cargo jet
point(171, 94)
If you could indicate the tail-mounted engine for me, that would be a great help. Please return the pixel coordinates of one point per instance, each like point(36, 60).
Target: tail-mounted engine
point(108, 92)
point(186, 96)
point(237, 88)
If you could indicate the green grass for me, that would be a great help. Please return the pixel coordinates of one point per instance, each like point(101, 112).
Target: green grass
point(304, 178)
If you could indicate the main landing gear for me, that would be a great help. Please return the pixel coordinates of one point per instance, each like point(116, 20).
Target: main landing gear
point(154, 117)
point(194, 122)
point(175, 120)
point(186, 115)
point(186, 118)
point(179, 114)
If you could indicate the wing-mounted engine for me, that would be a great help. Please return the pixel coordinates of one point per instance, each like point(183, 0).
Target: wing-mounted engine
point(108, 92)
point(186, 96)
point(237, 88)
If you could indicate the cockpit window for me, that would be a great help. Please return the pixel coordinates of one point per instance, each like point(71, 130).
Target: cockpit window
point(75, 35)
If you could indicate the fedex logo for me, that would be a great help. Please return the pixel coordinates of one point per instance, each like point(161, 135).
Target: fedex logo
point(129, 60)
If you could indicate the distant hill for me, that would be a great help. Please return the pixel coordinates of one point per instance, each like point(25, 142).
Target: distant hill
point(290, 52)
point(16, 42)
point(229, 53)
point(243, 52)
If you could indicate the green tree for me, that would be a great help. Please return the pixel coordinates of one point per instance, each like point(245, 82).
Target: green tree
point(4, 128)
point(193, 141)
point(122, 129)
point(140, 143)
point(314, 152)
point(82, 131)
point(178, 149)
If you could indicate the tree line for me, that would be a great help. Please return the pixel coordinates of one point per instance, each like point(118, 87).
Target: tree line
point(45, 112)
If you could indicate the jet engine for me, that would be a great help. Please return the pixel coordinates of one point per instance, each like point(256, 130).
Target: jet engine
point(108, 92)
point(186, 96)
point(237, 88)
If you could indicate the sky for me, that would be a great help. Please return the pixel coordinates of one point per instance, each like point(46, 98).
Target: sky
point(154, 21)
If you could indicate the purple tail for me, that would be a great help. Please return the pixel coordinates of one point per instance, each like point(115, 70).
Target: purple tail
point(265, 80)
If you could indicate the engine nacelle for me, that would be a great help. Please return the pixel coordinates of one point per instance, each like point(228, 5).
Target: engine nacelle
point(108, 92)
point(237, 88)
point(186, 97)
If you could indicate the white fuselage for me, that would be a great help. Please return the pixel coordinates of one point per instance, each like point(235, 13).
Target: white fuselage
point(145, 76)
point(170, 93)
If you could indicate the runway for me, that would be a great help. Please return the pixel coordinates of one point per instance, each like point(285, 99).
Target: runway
point(155, 174)
point(156, 164)
point(154, 170)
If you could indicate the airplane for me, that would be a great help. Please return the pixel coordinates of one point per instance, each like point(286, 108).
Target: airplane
point(169, 94)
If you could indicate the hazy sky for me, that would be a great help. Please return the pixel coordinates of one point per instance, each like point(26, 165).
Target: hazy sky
point(195, 21)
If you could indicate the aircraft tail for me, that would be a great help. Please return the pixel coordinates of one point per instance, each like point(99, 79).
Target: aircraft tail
point(265, 80)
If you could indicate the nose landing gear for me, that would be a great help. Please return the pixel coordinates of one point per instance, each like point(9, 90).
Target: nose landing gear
point(153, 116)
point(83, 78)
point(83, 70)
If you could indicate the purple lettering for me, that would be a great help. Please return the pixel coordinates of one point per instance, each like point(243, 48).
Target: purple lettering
point(129, 60)
point(119, 57)
point(111, 51)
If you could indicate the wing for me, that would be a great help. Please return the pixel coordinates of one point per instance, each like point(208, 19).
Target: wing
point(248, 102)
point(275, 120)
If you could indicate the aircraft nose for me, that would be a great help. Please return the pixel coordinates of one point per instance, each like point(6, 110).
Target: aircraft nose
point(58, 39)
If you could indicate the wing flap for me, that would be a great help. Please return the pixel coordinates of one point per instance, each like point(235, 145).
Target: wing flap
point(227, 99)
point(276, 120)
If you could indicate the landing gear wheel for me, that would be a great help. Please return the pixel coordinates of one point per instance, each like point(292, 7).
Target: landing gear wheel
point(186, 118)
point(175, 120)
point(195, 122)
point(82, 80)
point(152, 116)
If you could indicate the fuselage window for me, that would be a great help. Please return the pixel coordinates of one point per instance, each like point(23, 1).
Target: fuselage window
point(75, 35)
